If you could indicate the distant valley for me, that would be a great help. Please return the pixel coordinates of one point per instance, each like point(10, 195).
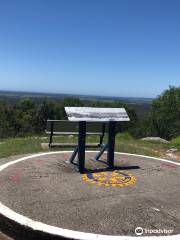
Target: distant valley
point(141, 105)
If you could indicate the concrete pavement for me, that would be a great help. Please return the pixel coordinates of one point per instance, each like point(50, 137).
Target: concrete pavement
point(49, 190)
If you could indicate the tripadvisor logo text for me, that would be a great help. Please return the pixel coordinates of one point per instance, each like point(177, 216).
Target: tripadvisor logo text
point(142, 231)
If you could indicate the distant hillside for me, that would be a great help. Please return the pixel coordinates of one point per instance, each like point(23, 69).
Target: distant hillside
point(140, 105)
point(17, 95)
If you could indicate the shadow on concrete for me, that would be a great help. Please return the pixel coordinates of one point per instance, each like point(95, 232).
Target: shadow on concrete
point(19, 232)
point(110, 170)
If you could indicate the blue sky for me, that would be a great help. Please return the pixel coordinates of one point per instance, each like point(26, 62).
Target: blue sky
point(100, 47)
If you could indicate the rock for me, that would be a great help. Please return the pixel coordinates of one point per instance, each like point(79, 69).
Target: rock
point(171, 150)
point(157, 139)
point(45, 146)
point(70, 136)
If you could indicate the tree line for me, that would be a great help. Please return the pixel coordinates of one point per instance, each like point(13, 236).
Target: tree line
point(28, 117)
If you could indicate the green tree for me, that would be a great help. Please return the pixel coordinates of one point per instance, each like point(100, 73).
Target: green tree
point(164, 117)
point(72, 102)
point(24, 115)
point(48, 109)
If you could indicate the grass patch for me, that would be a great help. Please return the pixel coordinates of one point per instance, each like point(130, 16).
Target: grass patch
point(175, 142)
point(136, 149)
point(14, 146)
point(124, 136)
point(124, 143)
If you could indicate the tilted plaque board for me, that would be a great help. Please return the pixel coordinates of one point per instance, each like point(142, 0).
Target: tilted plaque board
point(96, 114)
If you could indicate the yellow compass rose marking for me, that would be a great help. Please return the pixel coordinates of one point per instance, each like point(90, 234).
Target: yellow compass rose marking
point(116, 178)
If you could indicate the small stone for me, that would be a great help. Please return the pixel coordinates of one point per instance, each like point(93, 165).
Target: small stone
point(70, 136)
point(157, 139)
point(171, 150)
point(45, 146)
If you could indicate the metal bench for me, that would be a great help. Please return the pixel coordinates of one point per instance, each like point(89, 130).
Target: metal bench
point(67, 128)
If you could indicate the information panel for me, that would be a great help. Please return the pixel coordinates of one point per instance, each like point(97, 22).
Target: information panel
point(96, 114)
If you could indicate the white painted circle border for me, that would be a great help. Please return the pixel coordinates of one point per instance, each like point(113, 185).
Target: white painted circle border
point(39, 226)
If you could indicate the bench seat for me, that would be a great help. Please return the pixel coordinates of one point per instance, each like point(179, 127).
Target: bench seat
point(67, 128)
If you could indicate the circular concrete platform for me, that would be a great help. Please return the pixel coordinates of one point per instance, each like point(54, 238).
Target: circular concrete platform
point(45, 193)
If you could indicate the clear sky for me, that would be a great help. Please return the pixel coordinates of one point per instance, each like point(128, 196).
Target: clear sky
point(101, 47)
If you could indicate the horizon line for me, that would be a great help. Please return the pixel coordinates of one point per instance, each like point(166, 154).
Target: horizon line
point(71, 94)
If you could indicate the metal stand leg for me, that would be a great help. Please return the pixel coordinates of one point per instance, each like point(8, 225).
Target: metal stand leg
point(51, 135)
point(102, 136)
point(111, 144)
point(81, 146)
point(99, 154)
point(71, 159)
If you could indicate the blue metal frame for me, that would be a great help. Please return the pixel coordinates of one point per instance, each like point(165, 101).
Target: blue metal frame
point(80, 148)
